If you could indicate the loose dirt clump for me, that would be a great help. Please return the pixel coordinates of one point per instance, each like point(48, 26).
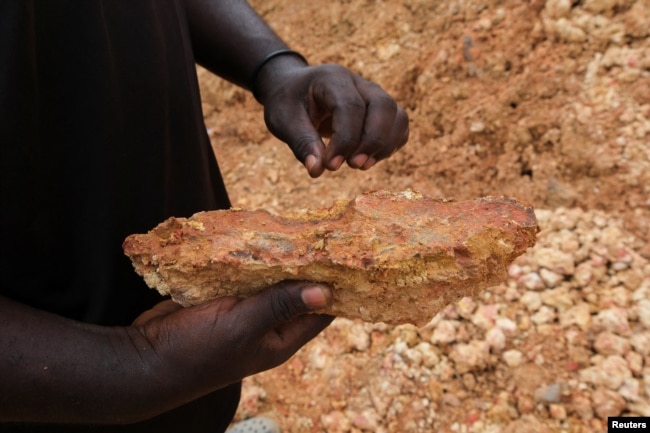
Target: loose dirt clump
point(544, 101)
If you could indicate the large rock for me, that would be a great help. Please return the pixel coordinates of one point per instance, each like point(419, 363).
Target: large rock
point(390, 257)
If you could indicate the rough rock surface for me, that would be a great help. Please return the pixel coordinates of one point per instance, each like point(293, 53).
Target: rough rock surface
point(391, 257)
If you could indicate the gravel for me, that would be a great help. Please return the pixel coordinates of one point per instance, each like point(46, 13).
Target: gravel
point(563, 344)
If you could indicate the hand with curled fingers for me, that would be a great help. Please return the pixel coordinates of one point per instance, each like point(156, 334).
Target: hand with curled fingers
point(303, 104)
point(212, 345)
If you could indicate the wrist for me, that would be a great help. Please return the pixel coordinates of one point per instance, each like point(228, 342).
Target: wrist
point(275, 63)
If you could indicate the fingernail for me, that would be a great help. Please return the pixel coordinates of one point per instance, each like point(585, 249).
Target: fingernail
point(316, 296)
point(336, 162)
point(369, 163)
point(359, 160)
point(310, 162)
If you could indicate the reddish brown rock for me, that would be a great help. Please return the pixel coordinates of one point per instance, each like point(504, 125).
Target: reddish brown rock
point(391, 257)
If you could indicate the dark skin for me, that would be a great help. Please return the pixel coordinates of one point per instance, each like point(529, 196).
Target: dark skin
point(63, 371)
point(58, 370)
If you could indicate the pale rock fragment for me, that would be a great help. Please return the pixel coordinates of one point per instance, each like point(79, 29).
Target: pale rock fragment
point(568, 31)
point(614, 320)
point(607, 403)
point(470, 357)
point(634, 362)
point(513, 358)
point(336, 422)
point(579, 315)
point(641, 343)
point(611, 372)
point(643, 313)
point(557, 411)
point(444, 333)
point(555, 260)
point(599, 6)
point(557, 8)
point(496, 339)
point(608, 343)
point(630, 389)
point(551, 278)
point(532, 301)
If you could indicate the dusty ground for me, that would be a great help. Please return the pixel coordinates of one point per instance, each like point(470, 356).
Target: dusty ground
point(545, 101)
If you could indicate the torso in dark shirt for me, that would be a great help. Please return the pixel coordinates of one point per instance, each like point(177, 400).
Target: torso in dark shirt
point(101, 135)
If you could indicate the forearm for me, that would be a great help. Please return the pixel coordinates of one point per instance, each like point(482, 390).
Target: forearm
point(230, 39)
point(56, 370)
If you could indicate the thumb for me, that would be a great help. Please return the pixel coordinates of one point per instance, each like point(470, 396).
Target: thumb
point(284, 302)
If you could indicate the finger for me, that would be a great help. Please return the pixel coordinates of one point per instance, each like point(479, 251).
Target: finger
point(396, 140)
point(381, 111)
point(282, 303)
point(296, 128)
point(346, 111)
point(385, 128)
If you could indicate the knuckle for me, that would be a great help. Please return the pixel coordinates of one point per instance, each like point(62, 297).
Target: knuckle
point(353, 105)
point(386, 103)
point(344, 146)
point(373, 144)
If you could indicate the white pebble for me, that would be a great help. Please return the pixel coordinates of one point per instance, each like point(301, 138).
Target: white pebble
point(551, 278)
point(611, 372)
point(641, 343)
point(485, 316)
point(557, 411)
point(643, 312)
point(509, 327)
point(429, 355)
point(608, 343)
point(469, 357)
point(555, 260)
point(496, 339)
point(444, 333)
point(465, 307)
point(614, 320)
point(477, 127)
point(579, 315)
point(630, 389)
point(513, 358)
point(558, 298)
point(583, 274)
point(543, 315)
point(607, 403)
point(532, 301)
point(532, 281)
point(634, 362)
point(558, 8)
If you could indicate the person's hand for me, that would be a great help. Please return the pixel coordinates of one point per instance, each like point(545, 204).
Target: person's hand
point(211, 345)
point(305, 103)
